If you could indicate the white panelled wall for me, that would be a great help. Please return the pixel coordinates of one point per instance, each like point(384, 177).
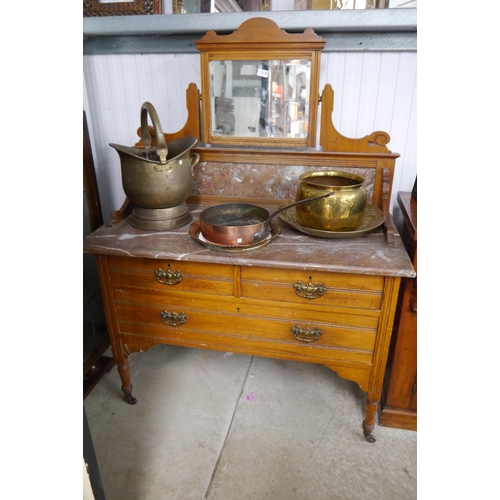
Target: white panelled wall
point(377, 91)
point(117, 86)
point(373, 91)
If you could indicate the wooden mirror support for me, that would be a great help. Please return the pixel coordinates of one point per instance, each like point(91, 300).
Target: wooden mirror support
point(369, 152)
point(262, 38)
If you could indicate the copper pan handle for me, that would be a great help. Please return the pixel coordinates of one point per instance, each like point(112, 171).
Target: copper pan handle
point(264, 230)
point(331, 193)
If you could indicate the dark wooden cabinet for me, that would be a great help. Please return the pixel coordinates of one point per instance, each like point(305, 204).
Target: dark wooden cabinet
point(95, 333)
point(399, 400)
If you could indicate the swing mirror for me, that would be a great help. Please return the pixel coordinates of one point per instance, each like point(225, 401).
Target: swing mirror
point(260, 86)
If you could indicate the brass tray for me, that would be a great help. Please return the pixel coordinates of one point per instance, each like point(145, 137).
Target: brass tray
point(373, 218)
point(196, 233)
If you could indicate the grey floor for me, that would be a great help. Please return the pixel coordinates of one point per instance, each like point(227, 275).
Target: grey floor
point(220, 426)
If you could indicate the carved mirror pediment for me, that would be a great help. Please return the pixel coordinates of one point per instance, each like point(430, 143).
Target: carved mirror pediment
point(260, 86)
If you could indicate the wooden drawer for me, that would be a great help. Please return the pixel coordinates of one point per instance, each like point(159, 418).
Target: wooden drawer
point(173, 276)
point(352, 337)
point(313, 287)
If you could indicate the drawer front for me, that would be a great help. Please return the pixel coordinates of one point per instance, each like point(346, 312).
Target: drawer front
point(311, 287)
point(172, 276)
point(191, 320)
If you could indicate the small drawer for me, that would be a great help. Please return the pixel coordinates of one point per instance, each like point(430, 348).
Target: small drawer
point(313, 287)
point(172, 276)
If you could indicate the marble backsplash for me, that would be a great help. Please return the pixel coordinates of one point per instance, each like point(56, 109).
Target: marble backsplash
point(250, 180)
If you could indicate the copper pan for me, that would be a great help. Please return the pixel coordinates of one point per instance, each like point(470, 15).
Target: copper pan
point(235, 224)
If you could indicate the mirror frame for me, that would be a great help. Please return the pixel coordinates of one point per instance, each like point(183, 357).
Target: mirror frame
point(260, 39)
point(94, 8)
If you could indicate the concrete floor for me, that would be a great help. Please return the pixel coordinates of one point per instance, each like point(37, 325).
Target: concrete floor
point(216, 426)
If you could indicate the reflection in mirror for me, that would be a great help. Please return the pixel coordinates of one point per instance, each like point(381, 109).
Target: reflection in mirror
point(216, 6)
point(260, 98)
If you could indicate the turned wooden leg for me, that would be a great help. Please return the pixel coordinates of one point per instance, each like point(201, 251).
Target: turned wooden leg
point(124, 371)
point(369, 422)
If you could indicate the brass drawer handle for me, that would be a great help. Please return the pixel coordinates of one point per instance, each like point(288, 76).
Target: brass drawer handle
point(168, 277)
point(309, 291)
point(306, 334)
point(173, 319)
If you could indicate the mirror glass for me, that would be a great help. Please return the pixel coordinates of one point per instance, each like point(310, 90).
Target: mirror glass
point(260, 98)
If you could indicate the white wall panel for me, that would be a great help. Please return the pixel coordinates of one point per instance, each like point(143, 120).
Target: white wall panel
point(373, 91)
point(116, 87)
point(377, 91)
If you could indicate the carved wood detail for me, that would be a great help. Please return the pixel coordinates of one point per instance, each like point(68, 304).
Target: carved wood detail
point(332, 140)
point(122, 213)
point(256, 33)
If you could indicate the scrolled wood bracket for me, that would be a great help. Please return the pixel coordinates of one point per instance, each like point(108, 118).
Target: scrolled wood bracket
point(332, 140)
point(118, 215)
